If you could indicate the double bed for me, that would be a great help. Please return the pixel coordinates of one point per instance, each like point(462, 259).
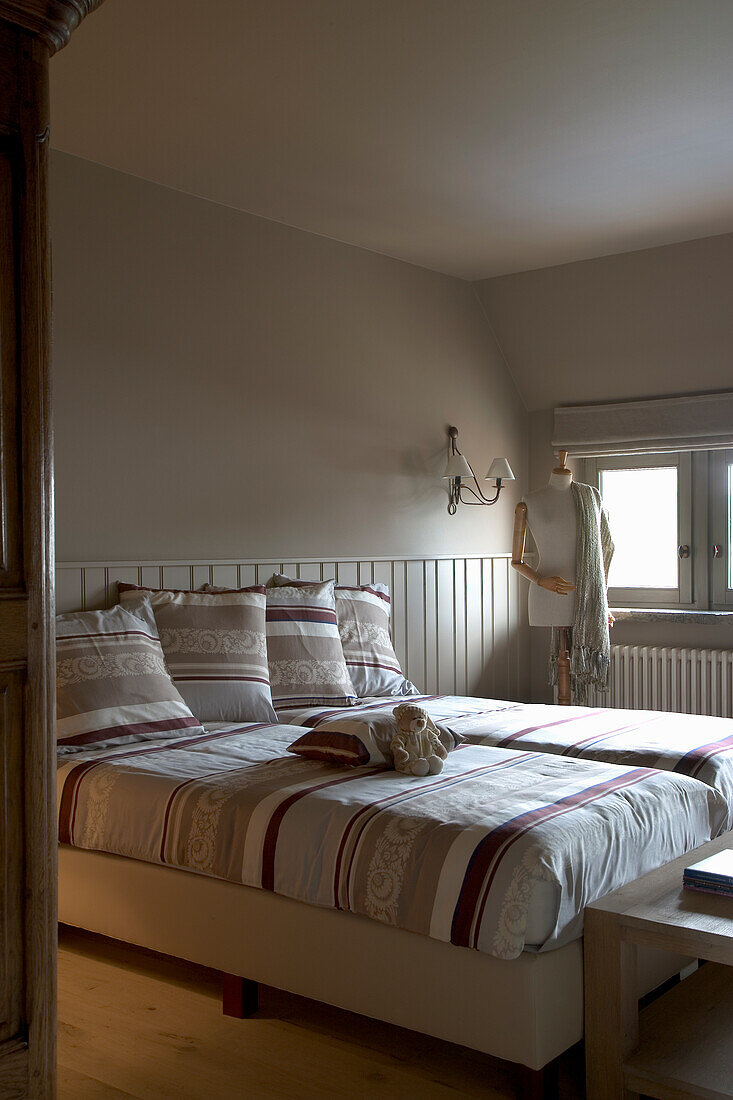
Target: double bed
point(451, 904)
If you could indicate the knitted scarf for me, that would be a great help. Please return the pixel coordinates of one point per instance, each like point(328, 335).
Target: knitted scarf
point(588, 640)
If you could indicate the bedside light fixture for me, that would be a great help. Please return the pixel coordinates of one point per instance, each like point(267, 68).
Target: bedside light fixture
point(458, 467)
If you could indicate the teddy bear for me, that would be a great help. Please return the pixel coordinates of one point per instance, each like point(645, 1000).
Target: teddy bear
point(416, 748)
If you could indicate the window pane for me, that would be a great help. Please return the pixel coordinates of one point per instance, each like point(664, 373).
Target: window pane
point(730, 526)
point(642, 511)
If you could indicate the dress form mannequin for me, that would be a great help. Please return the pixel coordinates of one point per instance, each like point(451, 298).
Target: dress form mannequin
point(550, 514)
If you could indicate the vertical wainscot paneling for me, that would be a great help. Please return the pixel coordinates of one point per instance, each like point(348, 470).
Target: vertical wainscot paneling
point(457, 623)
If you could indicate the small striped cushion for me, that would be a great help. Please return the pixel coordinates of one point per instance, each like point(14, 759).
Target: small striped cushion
point(112, 684)
point(363, 613)
point(307, 666)
point(358, 740)
point(215, 648)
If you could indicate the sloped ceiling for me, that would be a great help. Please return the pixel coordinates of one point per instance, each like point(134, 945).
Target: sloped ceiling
point(476, 137)
point(650, 323)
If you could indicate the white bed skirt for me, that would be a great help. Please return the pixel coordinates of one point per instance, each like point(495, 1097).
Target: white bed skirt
point(528, 1010)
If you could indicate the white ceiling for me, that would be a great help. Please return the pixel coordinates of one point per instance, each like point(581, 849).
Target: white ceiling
point(476, 137)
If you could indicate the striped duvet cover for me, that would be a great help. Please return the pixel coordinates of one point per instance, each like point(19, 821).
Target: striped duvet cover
point(688, 744)
point(458, 856)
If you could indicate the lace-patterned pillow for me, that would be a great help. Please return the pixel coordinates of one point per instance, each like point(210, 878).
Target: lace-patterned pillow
point(307, 666)
point(215, 649)
point(304, 652)
point(112, 684)
point(363, 613)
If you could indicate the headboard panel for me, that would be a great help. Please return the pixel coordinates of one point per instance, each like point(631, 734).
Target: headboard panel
point(456, 622)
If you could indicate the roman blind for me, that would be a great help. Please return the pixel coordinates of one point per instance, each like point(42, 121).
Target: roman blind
point(703, 422)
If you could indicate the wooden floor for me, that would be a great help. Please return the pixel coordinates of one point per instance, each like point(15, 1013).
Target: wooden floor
point(134, 1025)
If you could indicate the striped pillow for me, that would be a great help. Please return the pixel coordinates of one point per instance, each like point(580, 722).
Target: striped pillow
point(112, 685)
point(215, 648)
point(307, 666)
point(359, 740)
point(363, 613)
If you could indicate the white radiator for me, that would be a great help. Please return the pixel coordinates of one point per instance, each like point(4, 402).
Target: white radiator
point(691, 681)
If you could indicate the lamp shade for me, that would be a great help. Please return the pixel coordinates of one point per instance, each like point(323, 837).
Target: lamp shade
point(500, 468)
point(457, 466)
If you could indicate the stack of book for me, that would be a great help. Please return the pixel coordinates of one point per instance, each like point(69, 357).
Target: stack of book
point(713, 875)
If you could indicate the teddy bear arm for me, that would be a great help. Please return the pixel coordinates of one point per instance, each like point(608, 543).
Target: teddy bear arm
point(399, 752)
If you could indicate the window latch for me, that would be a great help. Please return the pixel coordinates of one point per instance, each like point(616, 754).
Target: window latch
point(717, 550)
point(683, 551)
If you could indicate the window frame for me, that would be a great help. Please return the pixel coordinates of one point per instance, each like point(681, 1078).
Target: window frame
point(721, 527)
point(680, 597)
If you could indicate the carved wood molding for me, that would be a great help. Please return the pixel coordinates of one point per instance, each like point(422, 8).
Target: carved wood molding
point(53, 21)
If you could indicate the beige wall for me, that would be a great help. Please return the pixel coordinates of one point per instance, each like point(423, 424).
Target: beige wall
point(227, 386)
point(653, 322)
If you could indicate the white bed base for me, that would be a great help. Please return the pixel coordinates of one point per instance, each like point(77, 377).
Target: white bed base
point(528, 1010)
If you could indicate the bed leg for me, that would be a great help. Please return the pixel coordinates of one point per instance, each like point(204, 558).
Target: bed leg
point(239, 996)
point(538, 1084)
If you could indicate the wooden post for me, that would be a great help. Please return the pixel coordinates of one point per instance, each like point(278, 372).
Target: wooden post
point(611, 1006)
point(240, 996)
point(563, 670)
point(30, 31)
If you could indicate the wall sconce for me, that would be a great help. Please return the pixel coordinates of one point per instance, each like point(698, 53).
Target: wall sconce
point(458, 467)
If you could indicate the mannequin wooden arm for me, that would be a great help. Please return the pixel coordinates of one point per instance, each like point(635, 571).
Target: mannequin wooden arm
point(519, 542)
point(553, 584)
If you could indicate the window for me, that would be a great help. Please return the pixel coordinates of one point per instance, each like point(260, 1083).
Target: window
point(648, 499)
point(671, 518)
point(643, 505)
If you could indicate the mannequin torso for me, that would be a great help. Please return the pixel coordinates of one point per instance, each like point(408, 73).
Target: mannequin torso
point(551, 518)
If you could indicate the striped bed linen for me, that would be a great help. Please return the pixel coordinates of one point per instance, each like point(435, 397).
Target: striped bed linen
point(214, 646)
point(688, 744)
point(363, 613)
point(457, 857)
point(304, 652)
point(112, 683)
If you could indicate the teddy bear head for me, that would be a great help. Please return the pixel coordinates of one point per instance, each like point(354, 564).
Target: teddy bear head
point(411, 718)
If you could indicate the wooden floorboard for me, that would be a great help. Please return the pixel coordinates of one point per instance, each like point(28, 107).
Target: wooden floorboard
point(132, 1025)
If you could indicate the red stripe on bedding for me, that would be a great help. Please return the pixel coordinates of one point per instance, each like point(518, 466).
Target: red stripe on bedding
point(106, 634)
point(204, 678)
point(171, 801)
point(388, 801)
point(373, 664)
point(132, 728)
point(301, 615)
point(696, 759)
point(69, 794)
point(362, 588)
point(337, 747)
point(596, 737)
point(67, 806)
point(169, 807)
point(545, 726)
point(490, 851)
point(269, 846)
point(304, 702)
